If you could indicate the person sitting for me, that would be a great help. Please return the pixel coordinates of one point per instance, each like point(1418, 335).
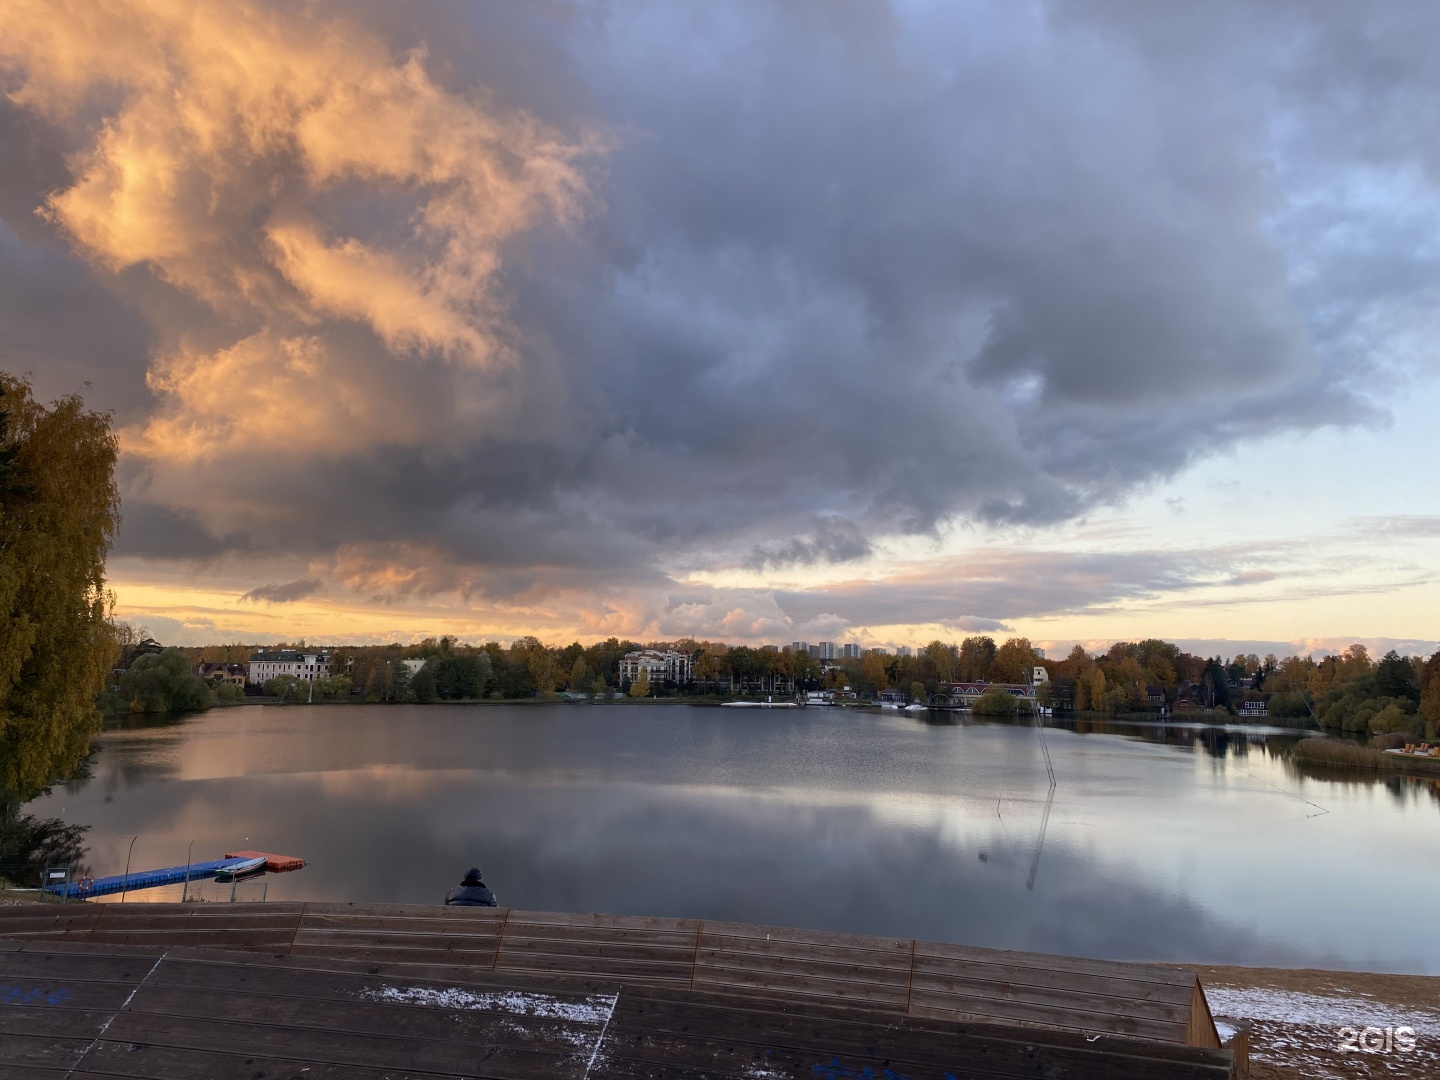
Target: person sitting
point(471, 892)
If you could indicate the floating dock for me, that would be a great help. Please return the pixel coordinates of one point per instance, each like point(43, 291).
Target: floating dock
point(170, 875)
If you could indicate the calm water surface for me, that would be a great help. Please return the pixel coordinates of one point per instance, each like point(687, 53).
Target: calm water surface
point(1194, 844)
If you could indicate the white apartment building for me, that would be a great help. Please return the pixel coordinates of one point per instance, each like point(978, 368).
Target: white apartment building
point(303, 665)
point(659, 667)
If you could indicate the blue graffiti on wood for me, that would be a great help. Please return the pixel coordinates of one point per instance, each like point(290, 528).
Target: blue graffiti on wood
point(33, 995)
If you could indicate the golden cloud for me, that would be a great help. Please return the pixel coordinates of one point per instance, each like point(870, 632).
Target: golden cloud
point(234, 145)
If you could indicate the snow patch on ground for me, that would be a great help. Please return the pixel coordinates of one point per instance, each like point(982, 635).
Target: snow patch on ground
point(595, 1009)
point(1318, 1010)
point(1313, 1035)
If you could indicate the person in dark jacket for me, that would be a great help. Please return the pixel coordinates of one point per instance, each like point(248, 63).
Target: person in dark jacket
point(471, 892)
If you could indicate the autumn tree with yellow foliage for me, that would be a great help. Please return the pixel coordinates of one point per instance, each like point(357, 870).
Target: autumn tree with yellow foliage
point(59, 510)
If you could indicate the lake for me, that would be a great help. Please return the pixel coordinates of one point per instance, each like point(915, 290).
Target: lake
point(1195, 844)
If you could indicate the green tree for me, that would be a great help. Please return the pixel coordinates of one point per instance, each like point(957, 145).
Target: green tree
point(59, 509)
point(422, 683)
point(1395, 677)
point(580, 675)
point(996, 702)
point(281, 686)
point(641, 686)
point(164, 682)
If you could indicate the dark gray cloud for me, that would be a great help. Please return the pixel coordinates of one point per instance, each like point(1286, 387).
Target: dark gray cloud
point(848, 271)
point(283, 594)
point(834, 540)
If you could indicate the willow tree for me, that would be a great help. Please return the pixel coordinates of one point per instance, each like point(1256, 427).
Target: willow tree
point(59, 509)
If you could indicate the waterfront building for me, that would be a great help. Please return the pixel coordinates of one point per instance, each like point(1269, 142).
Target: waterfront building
point(659, 667)
point(269, 664)
point(967, 693)
point(215, 674)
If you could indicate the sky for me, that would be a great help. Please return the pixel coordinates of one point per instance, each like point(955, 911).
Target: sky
point(842, 320)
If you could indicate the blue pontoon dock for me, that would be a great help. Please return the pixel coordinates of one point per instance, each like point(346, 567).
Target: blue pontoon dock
point(144, 879)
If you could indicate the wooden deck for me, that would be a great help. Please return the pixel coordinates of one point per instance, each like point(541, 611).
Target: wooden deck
point(348, 991)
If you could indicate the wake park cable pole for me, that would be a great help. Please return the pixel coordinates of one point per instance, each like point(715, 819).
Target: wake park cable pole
point(126, 887)
point(189, 856)
point(1045, 817)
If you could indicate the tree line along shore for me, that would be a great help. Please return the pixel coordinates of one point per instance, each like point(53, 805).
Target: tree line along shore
point(1349, 692)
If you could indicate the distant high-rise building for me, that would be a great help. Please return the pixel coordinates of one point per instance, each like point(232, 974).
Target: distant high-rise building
point(880, 652)
point(826, 650)
point(800, 646)
point(905, 651)
point(850, 651)
point(769, 648)
point(1039, 652)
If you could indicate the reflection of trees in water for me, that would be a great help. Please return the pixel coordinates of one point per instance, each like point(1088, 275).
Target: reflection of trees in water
point(1218, 742)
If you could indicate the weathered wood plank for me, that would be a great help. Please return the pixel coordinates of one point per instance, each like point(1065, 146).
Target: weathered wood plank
point(30, 1072)
point(665, 1034)
point(562, 919)
point(757, 932)
point(885, 959)
point(49, 1051)
point(845, 970)
point(363, 1050)
point(317, 913)
point(449, 974)
point(514, 949)
point(1020, 1013)
point(936, 972)
point(457, 959)
point(247, 926)
point(621, 968)
point(941, 950)
point(1097, 1001)
point(148, 1062)
point(47, 961)
point(535, 1022)
point(48, 920)
point(888, 996)
point(281, 977)
point(63, 995)
point(396, 929)
point(517, 933)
